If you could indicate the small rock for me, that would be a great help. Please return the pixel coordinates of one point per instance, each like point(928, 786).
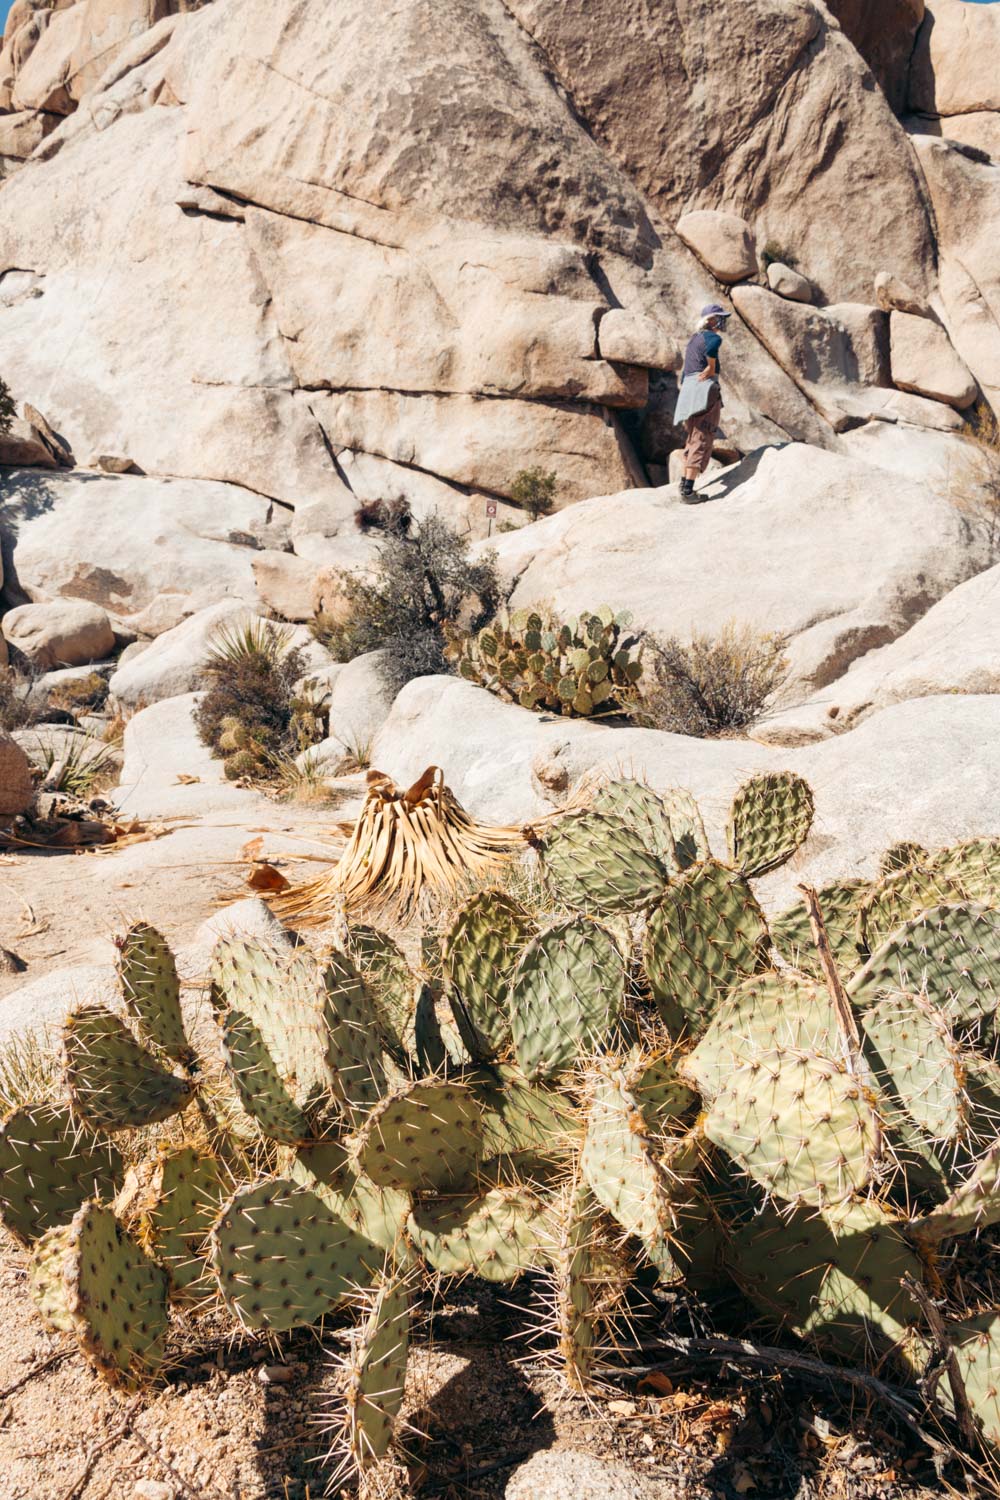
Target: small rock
point(893, 294)
point(789, 284)
point(558, 1473)
point(153, 1489)
point(113, 464)
point(723, 242)
point(276, 1374)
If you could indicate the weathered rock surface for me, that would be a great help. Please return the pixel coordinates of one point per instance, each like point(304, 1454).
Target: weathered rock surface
point(954, 68)
point(944, 750)
point(556, 1473)
point(788, 283)
point(359, 703)
point(812, 545)
point(16, 785)
point(285, 583)
point(885, 33)
point(175, 662)
point(62, 633)
point(150, 550)
point(924, 361)
point(892, 293)
point(723, 242)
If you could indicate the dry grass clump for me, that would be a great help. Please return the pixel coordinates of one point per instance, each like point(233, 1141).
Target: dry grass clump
point(14, 710)
point(250, 714)
point(974, 483)
point(712, 685)
point(80, 695)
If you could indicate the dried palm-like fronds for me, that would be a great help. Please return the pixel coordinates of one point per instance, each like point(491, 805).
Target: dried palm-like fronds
point(403, 844)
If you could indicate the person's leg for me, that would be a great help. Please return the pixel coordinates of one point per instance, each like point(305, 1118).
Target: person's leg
point(709, 427)
point(697, 452)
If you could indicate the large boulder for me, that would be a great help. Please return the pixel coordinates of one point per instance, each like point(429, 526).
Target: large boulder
point(285, 583)
point(149, 550)
point(175, 662)
point(723, 242)
point(926, 770)
point(16, 786)
point(62, 633)
point(885, 33)
point(954, 69)
point(925, 362)
point(818, 547)
point(359, 703)
point(789, 283)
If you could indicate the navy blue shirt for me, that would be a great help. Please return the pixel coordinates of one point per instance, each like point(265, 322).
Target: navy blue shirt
point(701, 348)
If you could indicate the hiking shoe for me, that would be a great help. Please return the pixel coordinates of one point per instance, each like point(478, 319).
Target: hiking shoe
point(686, 488)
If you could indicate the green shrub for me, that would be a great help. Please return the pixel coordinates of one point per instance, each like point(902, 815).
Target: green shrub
point(535, 490)
point(423, 583)
point(250, 713)
point(573, 667)
point(712, 685)
point(8, 410)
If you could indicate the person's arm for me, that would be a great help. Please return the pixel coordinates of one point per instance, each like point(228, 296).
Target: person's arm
point(713, 343)
point(710, 371)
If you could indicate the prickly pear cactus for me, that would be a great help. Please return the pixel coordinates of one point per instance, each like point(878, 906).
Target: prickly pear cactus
point(690, 838)
point(151, 991)
point(565, 997)
point(49, 1167)
point(184, 1197)
point(480, 949)
point(950, 953)
point(497, 1234)
point(283, 1260)
point(976, 1344)
point(901, 854)
point(900, 898)
point(375, 1376)
point(113, 1082)
point(377, 1214)
point(645, 814)
point(576, 667)
point(973, 1205)
point(593, 863)
point(839, 904)
point(770, 818)
point(525, 1119)
point(389, 980)
point(262, 1091)
point(705, 936)
point(917, 1064)
point(353, 1037)
point(90, 1278)
point(425, 1138)
point(575, 1286)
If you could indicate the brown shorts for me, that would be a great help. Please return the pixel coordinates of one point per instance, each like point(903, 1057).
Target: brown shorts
point(701, 432)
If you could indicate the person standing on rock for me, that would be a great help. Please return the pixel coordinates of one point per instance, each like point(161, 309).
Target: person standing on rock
point(700, 402)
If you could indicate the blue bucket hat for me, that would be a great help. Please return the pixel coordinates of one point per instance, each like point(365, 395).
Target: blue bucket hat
point(713, 310)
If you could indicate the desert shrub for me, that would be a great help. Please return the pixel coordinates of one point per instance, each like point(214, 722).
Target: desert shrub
point(713, 684)
point(422, 583)
point(974, 481)
point(250, 713)
point(383, 515)
point(14, 710)
point(80, 767)
point(80, 695)
point(8, 410)
point(535, 489)
point(775, 254)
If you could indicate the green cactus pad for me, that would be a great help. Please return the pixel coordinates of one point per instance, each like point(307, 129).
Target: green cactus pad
point(49, 1166)
point(594, 863)
point(686, 827)
point(566, 996)
point(91, 1279)
point(576, 1302)
point(644, 813)
point(376, 1375)
point(976, 1345)
point(974, 1204)
point(377, 1214)
point(831, 1277)
point(498, 1234)
point(798, 1123)
point(899, 855)
point(261, 1089)
point(705, 936)
point(663, 1097)
point(185, 1197)
point(973, 866)
point(950, 953)
point(283, 994)
point(428, 1137)
point(151, 991)
point(768, 1011)
point(354, 1043)
point(899, 898)
point(480, 950)
point(524, 1118)
point(917, 1064)
point(839, 903)
point(769, 820)
point(390, 982)
point(113, 1082)
point(282, 1259)
point(640, 1178)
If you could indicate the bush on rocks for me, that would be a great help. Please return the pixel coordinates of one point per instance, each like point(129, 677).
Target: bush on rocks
point(8, 410)
point(712, 685)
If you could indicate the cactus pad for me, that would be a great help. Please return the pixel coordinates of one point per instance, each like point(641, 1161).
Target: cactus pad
point(950, 953)
point(354, 1045)
point(49, 1166)
point(899, 898)
point(899, 855)
point(378, 1214)
point(427, 1137)
point(839, 903)
point(498, 1234)
point(480, 950)
point(976, 1344)
point(798, 1123)
point(390, 982)
point(185, 1196)
point(261, 1089)
point(525, 1118)
point(705, 936)
point(770, 818)
point(376, 1375)
point(594, 863)
point(662, 1096)
point(637, 806)
point(917, 1063)
point(566, 996)
point(686, 827)
point(151, 991)
point(91, 1279)
point(973, 866)
point(832, 1276)
point(974, 1204)
point(282, 1259)
point(113, 1082)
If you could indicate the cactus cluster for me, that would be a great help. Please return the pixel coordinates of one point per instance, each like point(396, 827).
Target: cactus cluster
point(577, 667)
point(644, 1073)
